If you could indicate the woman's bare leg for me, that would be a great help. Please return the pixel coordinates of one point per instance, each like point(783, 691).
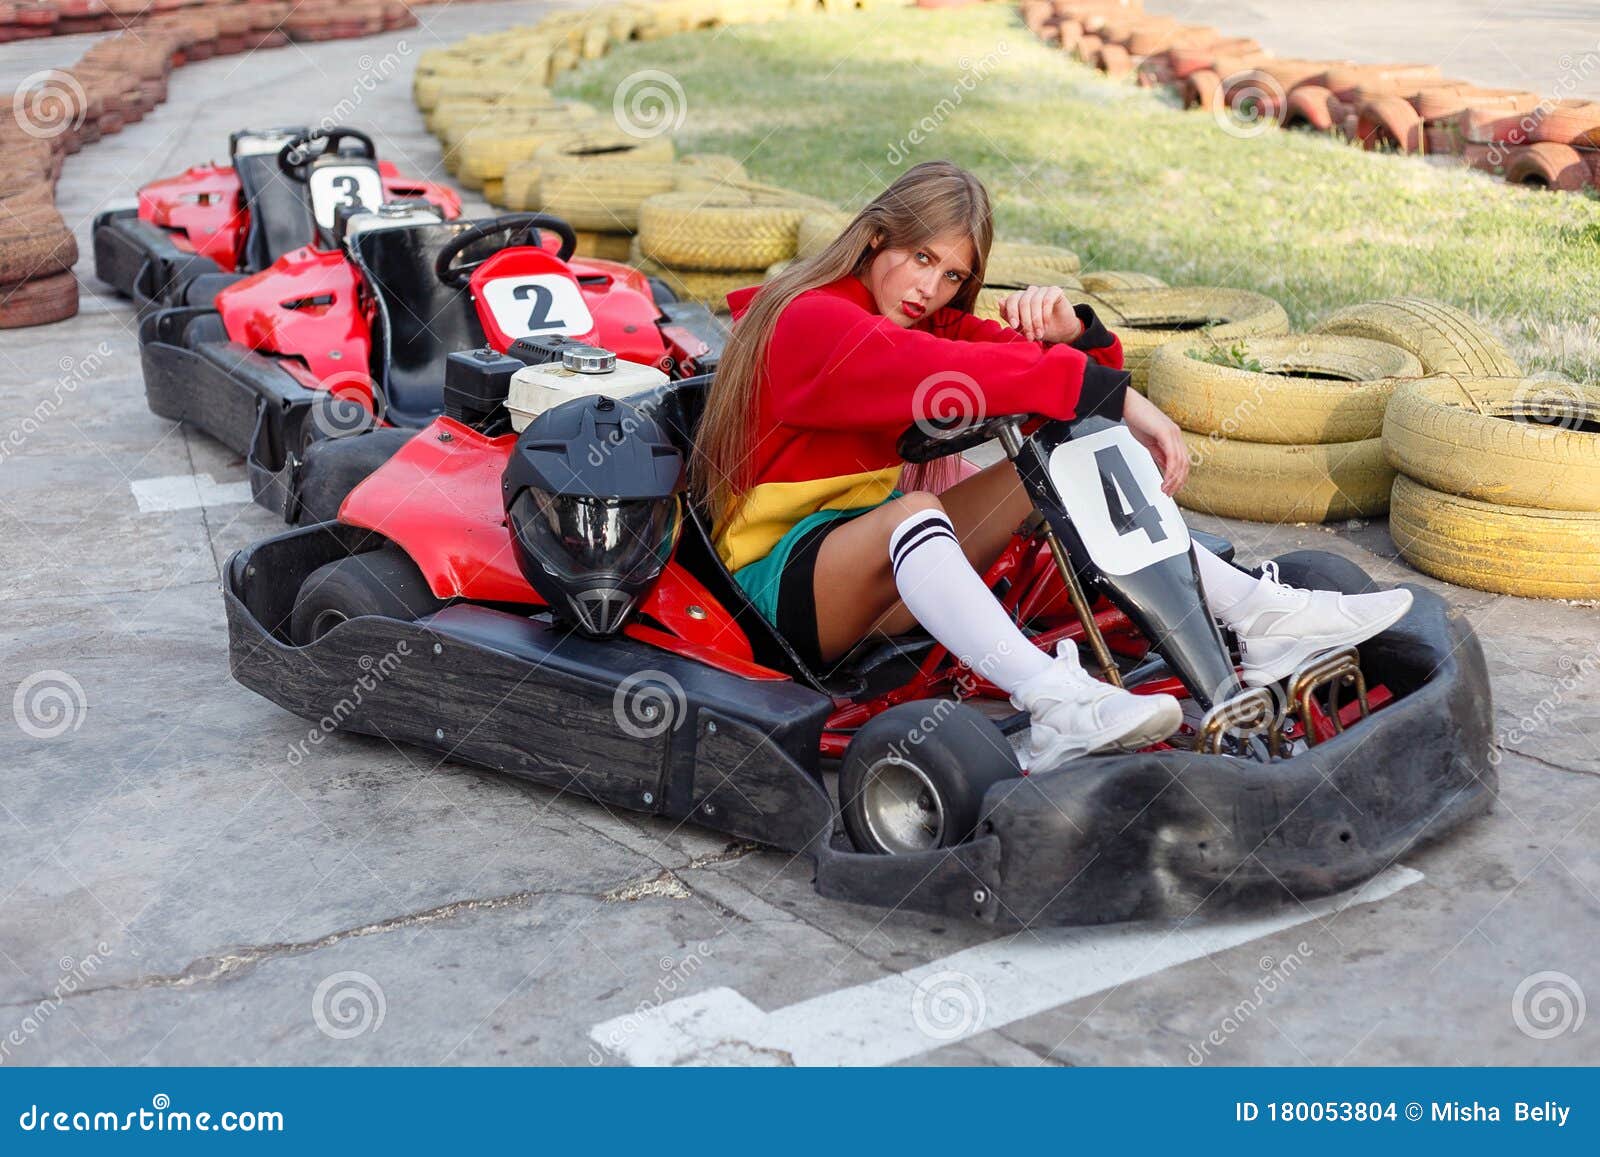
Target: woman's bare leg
point(853, 583)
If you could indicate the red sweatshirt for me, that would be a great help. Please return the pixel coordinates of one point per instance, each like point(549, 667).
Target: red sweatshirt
point(843, 382)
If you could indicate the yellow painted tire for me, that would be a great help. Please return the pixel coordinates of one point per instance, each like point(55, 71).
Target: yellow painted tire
point(1145, 319)
point(1014, 275)
point(816, 231)
point(1444, 339)
point(731, 227)
point(1343, 400)
point(1262, 482)
point(1104, 279)
point(1027, 253)
point(710, 289)
point(1523, 442)
point(1513, 550)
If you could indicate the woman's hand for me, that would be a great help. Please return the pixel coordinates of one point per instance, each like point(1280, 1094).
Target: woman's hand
point(1160, 435)
point(1041, 313)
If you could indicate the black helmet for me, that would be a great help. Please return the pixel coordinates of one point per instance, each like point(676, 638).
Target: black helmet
point(592, 495)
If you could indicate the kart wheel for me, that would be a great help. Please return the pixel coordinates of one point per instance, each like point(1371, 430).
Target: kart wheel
point(914, 777)
point(380, 582)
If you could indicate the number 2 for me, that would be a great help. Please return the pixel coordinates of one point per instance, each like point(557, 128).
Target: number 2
point(543, 299)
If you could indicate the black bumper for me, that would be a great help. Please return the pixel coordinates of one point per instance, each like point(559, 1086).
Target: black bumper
point(140, 260)
point(1153, 836)
point(1107, 839)
point(243, 399)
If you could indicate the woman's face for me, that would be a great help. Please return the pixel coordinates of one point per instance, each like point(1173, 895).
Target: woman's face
point(909, 284)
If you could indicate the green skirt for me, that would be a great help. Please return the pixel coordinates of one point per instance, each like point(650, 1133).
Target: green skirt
point(760, 579)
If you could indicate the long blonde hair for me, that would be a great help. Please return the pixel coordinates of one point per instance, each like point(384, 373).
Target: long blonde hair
point(932, 199)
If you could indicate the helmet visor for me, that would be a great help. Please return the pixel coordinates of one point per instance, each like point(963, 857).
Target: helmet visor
point(577, 539)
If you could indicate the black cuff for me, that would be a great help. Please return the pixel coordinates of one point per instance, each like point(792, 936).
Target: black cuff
point(1095, 335)
point(1104, 391)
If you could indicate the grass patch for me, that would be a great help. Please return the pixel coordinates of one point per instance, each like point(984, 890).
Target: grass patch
point(828, 105)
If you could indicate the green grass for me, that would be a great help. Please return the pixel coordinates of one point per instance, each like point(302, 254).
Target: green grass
point(1124, 177)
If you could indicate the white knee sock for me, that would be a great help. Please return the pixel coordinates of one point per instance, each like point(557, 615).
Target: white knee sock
point(1225, 586)
point(939, 587)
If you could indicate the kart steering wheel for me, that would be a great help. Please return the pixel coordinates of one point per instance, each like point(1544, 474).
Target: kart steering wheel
point(518, 229)
point(294, 160)
point(925, 441)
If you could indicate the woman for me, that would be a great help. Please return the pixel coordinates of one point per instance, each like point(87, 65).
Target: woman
point(795, 459)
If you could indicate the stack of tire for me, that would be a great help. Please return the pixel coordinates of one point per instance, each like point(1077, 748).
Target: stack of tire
point(1406, 108)
point(707, 242)
point(1548, 144)
point(1282, 429)
point(597, 185)
point(1147, 317)
point(696, 222)
point(1499, 483)
point(230, 25)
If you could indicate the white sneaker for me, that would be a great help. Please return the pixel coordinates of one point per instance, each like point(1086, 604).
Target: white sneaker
point(1280, 626)
point(1076, 714)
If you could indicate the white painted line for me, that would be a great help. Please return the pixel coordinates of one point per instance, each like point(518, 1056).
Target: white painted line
point(186, 491)
point(947, 1000)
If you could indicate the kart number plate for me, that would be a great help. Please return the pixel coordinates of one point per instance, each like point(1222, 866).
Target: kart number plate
point(542, 304)
point(332, 186)
point(1111, 489)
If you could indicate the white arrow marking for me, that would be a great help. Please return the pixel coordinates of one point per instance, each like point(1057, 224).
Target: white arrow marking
point(186, 491)
point(963, 994)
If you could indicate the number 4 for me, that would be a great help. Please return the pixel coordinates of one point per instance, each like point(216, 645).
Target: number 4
point(1130, 510)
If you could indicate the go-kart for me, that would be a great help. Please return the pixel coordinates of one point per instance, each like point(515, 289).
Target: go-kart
point(213, 224)
point(412, 617)
point(331, 342)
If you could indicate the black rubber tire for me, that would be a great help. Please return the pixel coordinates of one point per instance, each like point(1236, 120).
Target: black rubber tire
point(660, 292)
point(962, 754)
point(333, 467)
point(380, 582)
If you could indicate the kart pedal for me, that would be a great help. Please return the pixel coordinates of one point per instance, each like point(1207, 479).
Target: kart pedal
point(1333, 670)
point(1251, 712)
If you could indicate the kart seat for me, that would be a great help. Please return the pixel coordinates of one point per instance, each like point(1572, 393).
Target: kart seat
point(878, 665)
point(280, 209)
point(418, 321)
